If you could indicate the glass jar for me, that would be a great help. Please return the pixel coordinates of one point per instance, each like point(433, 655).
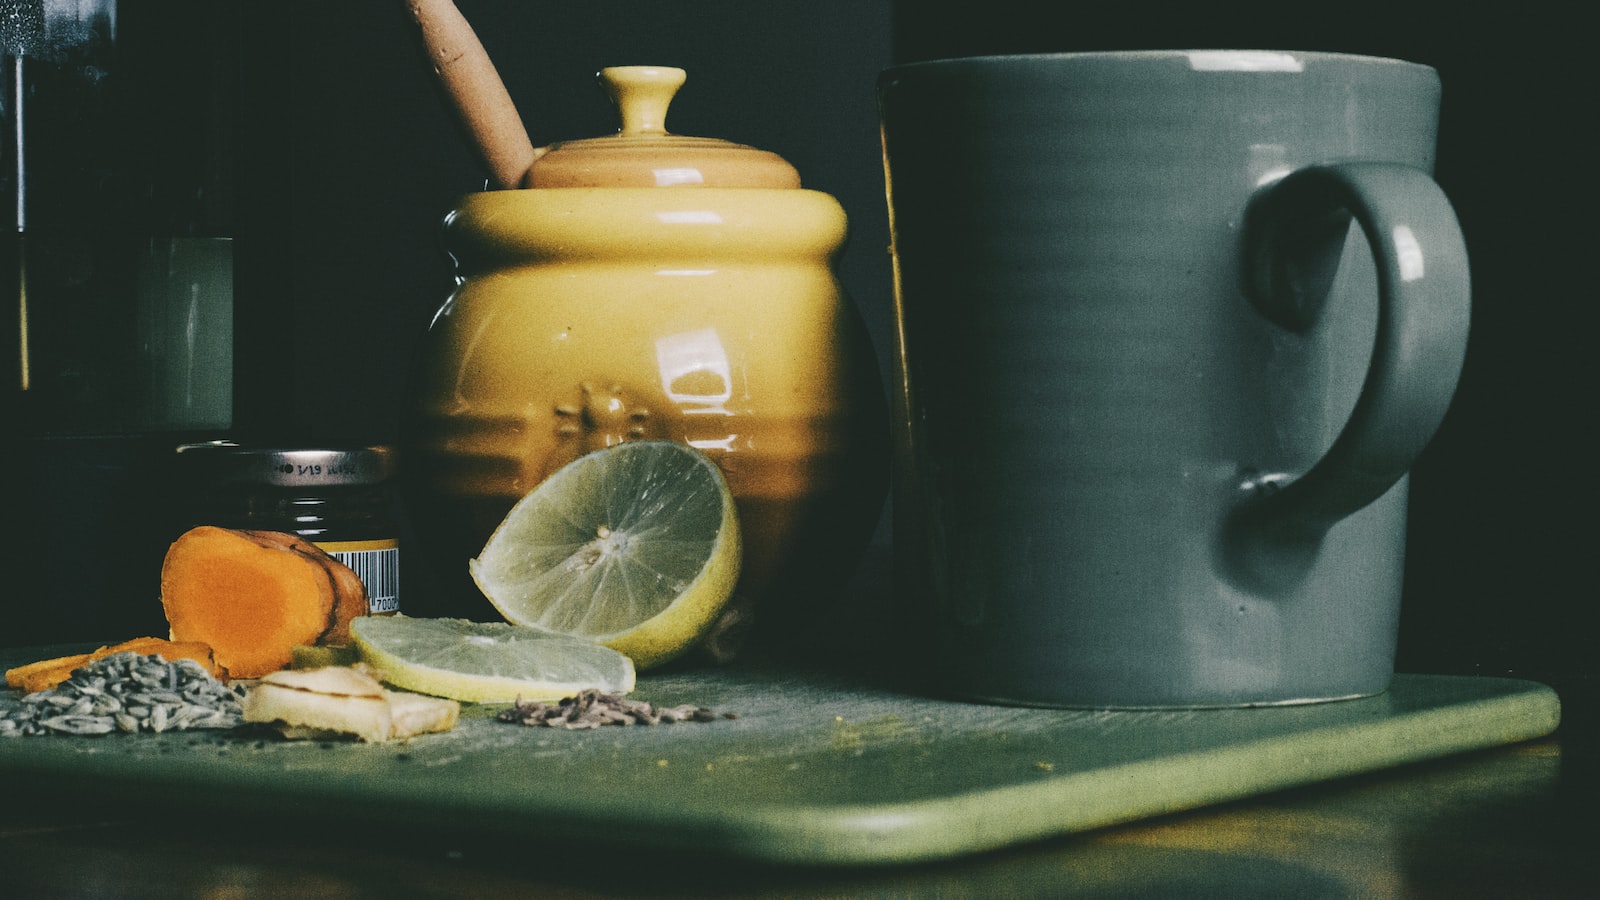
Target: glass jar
point(339, 498)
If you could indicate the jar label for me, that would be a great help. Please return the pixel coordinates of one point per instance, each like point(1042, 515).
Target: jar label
point(377, 564)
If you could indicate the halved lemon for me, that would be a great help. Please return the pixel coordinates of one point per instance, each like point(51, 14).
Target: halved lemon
point(635, 546)
point(486, 662)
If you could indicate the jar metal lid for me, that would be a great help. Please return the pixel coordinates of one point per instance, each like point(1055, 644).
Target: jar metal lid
point(229, 463)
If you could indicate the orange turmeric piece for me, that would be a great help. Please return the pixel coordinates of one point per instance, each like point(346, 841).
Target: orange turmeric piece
point(47, 673)
point(350, 595)
point(252, 596)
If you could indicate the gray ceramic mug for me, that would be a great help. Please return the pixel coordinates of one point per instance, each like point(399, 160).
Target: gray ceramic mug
point(1173, 327)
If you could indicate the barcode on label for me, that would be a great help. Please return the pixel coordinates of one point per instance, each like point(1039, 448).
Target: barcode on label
point(379, 570)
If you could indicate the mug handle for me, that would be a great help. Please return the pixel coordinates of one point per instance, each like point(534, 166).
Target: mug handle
point(1424, 305)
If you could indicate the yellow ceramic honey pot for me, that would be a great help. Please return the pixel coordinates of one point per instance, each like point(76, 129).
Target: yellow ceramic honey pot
point(644, 285)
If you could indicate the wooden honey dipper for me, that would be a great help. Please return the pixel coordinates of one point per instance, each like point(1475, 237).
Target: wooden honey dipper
point(475, 90)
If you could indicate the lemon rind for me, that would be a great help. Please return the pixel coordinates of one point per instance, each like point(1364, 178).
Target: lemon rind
point(677, 627)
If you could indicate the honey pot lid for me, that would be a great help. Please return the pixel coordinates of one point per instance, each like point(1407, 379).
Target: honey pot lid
point(644, 154)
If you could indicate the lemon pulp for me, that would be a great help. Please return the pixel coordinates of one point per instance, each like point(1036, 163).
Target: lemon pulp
point(634, 546)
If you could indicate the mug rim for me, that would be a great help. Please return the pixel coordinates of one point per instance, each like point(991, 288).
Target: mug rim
point(1214, 59)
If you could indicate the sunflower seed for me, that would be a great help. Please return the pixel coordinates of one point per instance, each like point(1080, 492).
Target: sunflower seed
point(219, 719)
point(80, 724)
point(130, 693)
point(186, 716)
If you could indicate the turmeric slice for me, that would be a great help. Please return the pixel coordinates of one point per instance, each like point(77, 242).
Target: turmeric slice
point(350, 595)
point(253, 596)
point(47, 673)
point(199, 651)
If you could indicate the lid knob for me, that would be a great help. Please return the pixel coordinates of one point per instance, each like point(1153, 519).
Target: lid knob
point(642, 94)
point(643, 154)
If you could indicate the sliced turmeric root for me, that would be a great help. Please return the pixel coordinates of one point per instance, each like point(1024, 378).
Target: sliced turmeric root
point(350, 595)
point(47, 673)
point(252, 596)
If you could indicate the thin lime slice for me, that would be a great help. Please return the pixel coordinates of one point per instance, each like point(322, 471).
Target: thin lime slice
point(486, 662)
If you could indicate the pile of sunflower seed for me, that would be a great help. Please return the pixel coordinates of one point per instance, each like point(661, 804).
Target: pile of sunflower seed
point(127, 692)
point(594, 708)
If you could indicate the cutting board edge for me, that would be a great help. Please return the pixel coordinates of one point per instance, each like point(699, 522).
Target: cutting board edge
point(887, 834)
point(1487, 712)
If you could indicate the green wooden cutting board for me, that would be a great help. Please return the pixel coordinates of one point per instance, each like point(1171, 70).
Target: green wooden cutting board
point(814, 769)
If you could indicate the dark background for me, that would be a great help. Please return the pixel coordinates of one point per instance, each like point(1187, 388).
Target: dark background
point(351, 157)
point(345, 159)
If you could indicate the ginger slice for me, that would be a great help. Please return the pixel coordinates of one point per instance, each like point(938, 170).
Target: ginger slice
point(338, 699)
point(337, 681)
point(344, 701)
point(413, 714)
